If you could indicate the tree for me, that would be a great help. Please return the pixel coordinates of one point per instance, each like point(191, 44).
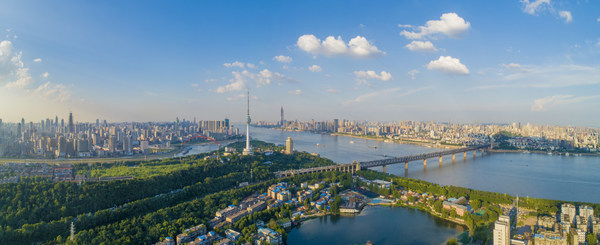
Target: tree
point(437, 206)
point(475, 204)
point(452, 242)
point(591, 239)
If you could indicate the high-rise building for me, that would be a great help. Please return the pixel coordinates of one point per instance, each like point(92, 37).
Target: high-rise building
point(567, 213)
point(71, 125)
point(586, 212)
point(62, 146)
point(289, 146)
point(127, 144)
point(248, 149)
point(502, 231)
point(336, 125)
point(82, 145)
point(281, 122)
point(112, 143)
point(19, 129)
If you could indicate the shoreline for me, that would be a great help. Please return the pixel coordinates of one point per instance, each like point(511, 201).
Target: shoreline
point(408, 142)
point(543, 152)
point(446, 146)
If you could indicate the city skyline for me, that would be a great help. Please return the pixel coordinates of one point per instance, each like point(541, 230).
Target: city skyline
point(527, 61)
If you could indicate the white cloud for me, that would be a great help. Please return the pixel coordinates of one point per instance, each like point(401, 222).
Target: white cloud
point(234, 64)
point(13, 72)
point(561, 76)
point(363, 76)
point(448, 65)
point(16, 78)
point(297, 91)
point(376, 94)
point(333, 91)
point(240, 80)
point(449, 24)
point(385, 93)
point(283, 59)
point(315, 68)
point(237, 97)
point(511, 66)
point(358, 47)
point(56, 92)
point(566, 15)
point(543, 104)
point(531, 7)
point(426, 46)
point(38, 60)
point(413, 74)
point(598, 20)
point(210, 80)
point(250, 65)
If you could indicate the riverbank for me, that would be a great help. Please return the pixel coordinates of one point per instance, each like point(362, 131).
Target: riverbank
point(410, 142)
point(387, 140)
point(543, 152)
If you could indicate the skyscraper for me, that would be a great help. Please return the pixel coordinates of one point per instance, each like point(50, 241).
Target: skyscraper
point(248, 150)
point(71, 125)
point(281, 121)
point(112, 143)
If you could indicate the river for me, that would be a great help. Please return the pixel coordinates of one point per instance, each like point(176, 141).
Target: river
point(572, 178)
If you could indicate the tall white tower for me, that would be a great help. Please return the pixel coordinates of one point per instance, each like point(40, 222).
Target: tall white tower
point(248, 150)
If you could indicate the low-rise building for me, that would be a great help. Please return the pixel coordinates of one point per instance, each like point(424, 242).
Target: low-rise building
point(232, 235)
point(205, 239)
point(223, 213)
point(237, 216)
point(224, 241)
point(190, 234)
point(259, 206)
point(549, 238)
point(167, 241)
point(546, 222)
point(268, 236)
point(285, 223)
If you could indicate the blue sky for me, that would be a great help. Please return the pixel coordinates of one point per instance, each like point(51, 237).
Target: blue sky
point(532, 61)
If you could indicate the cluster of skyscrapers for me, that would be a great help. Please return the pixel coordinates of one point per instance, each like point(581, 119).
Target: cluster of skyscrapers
point(53, 138)
point(531, 136)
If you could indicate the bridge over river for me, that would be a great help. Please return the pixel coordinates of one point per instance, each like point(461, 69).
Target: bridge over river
point(355, 166)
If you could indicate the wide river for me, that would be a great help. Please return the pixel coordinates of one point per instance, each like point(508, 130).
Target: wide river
point(573, 178)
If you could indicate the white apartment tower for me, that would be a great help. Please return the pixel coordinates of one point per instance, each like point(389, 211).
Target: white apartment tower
point(289, 146)
point(567, 213)
point(502, 231)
